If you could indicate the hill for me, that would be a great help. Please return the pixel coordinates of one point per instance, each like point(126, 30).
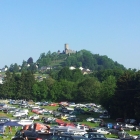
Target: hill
point(57, 60)
point(81, 58)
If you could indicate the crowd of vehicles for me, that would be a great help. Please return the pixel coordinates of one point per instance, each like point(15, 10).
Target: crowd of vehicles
point(66, 121)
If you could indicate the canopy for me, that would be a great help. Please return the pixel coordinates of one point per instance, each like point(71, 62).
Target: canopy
point(12, 123)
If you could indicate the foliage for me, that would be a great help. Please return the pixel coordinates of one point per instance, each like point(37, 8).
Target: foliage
point(30, 60)
point(109, 84)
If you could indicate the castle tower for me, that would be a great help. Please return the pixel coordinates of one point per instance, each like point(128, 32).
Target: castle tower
point(66, 48)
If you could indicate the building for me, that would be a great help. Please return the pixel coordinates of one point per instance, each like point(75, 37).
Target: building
point(72, 68)
point(67, 50)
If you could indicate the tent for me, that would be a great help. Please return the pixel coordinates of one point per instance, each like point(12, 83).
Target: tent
point(12, 123)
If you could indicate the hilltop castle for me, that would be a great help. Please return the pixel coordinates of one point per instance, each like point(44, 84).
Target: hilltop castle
point(67, 50)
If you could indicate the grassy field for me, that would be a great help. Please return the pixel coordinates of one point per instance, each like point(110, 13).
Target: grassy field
point(95, 115)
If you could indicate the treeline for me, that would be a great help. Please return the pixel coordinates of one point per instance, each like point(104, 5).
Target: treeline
point(116, 89)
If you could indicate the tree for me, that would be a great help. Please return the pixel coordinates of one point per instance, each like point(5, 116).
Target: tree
point(65, 74)
point(27, 82)
point(16, 68)
point(123, 100)
point(137, 95)
point(6, 85)
point(89, 90)
point(30, 60)
point(77, 75)
point(108, 88)
point(62, 91)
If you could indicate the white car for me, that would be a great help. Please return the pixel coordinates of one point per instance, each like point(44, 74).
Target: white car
point(19, 114)
point(26, 122)
point(101, 131)
point(129, 126)
point(104, 116)
point(72, 105)
point(89, 119)
point(37, 103)
point(34, 117)
point(97, 120)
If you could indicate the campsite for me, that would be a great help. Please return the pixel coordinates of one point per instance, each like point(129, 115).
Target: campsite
point(77, 119)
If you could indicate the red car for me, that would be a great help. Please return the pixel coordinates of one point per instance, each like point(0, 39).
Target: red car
point(35, 110)
point(53, 104)
point(119, 120)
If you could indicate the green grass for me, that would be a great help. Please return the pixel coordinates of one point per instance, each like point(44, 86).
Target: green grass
point(8, 136)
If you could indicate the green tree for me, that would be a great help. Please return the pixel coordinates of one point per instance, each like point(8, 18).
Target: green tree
point(77, 75)
point(30, 61)
point(89, 90)
point(123, 100)
point(65, 74)
point(108, 88)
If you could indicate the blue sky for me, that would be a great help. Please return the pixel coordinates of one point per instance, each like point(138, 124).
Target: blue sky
point(105, 27)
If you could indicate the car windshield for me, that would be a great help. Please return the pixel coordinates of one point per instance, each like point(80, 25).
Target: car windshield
point(98, 139)
point(54, 137)
point(80, 138)
point(97, 136)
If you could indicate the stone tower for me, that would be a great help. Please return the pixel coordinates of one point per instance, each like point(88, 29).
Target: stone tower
point(66, 48)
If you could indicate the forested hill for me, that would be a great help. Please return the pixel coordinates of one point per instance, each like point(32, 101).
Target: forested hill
point(81, 58)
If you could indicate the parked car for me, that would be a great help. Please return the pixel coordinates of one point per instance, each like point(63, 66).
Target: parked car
point(129, 126)
point(31, 135)
point(20, 113)
point(89, 119)
point(94, 135)
point(97, 120)
point(103, 124)
point(57, 114)
point(104, 116)
point(4, 120)
point(2, 129)
point(138, 137)
point(24, 105)
point(50, 120)
point(5, 110)
point(53, 104)
point(101, 130)
point(131, 121)
point(46, 112)
point(67, 137)
point(124, 134)
point(72, 105)
point(119, 120)
point(34, 117)
point(74, 119)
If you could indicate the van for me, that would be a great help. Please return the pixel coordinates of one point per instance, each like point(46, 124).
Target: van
point(124, 134)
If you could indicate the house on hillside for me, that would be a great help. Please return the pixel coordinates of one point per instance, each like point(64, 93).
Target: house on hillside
point(71, 68)
point(45, 68)
point(86, 71)
point(3, 69)
point(83, 70)
point(1, 80)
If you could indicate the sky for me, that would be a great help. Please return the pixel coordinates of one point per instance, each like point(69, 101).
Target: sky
point(105, 27)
